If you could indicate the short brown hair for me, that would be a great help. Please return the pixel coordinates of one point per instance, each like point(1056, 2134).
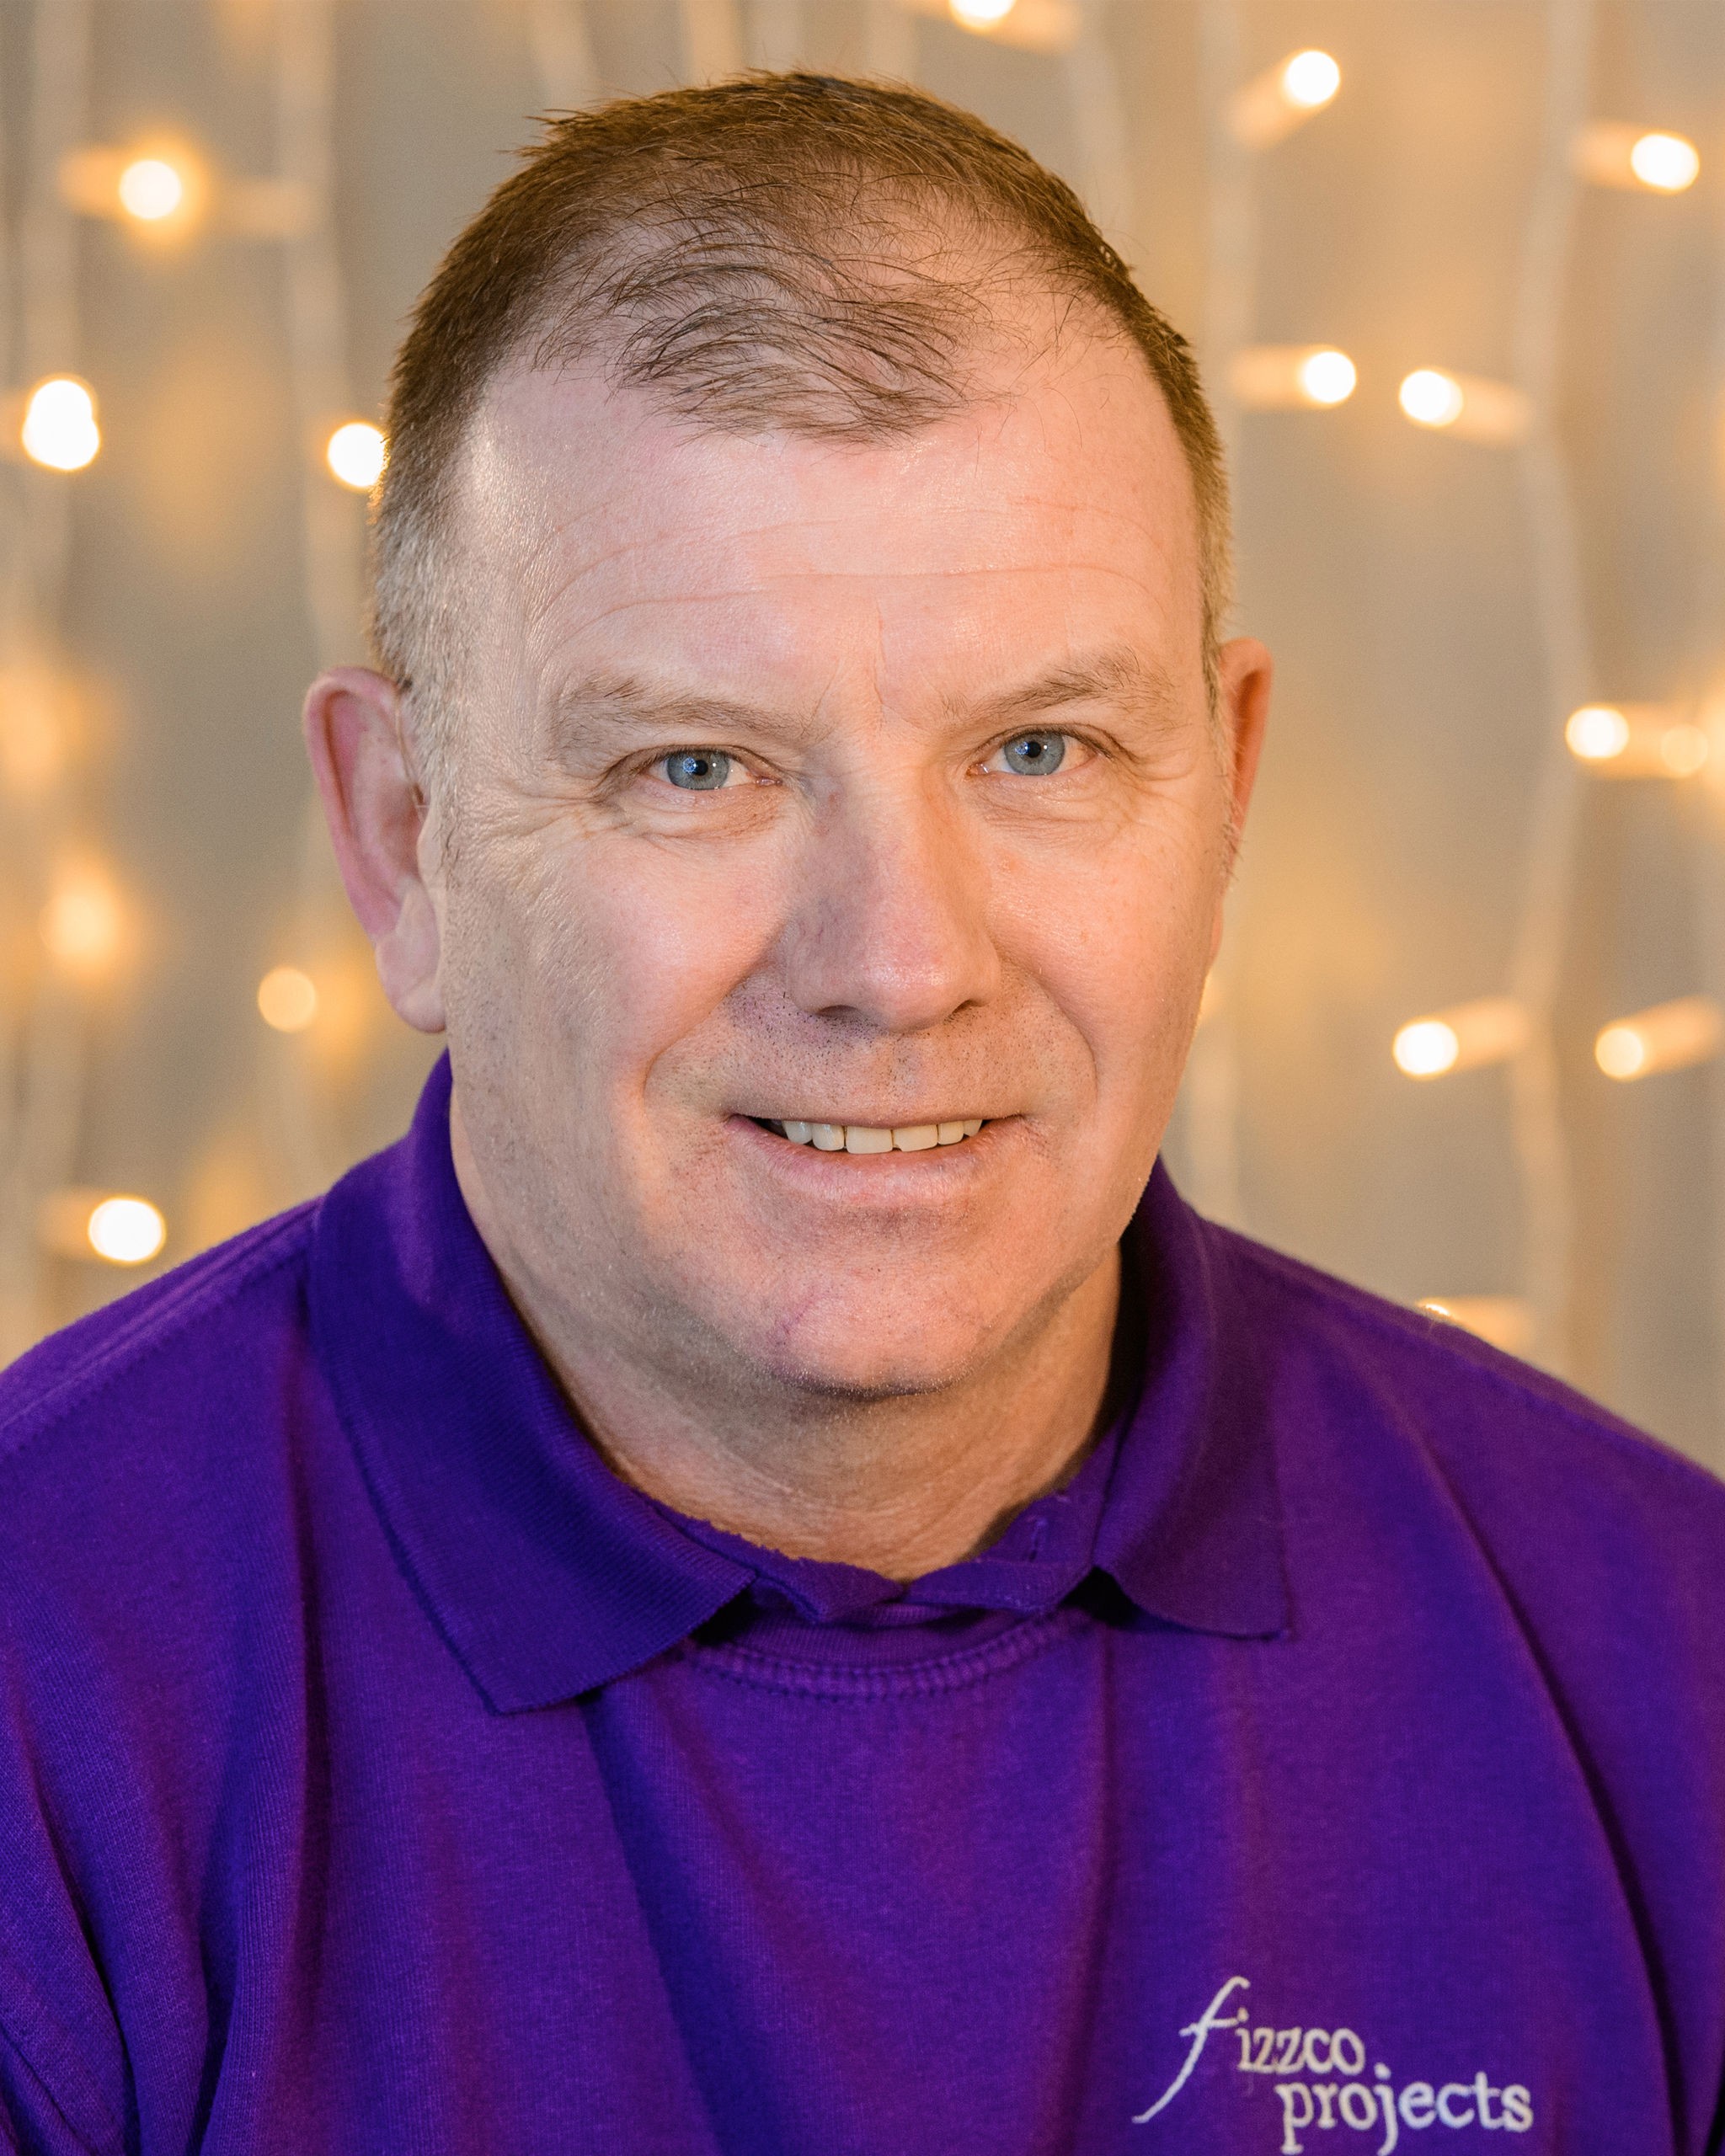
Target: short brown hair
point(790, 251)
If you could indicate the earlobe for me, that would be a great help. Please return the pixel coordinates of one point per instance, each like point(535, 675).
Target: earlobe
point(375, 812)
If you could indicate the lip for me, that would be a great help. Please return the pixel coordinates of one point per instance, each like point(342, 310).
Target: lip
point(934, 1174)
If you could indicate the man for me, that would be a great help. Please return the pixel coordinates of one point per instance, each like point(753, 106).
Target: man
point(761, 1583)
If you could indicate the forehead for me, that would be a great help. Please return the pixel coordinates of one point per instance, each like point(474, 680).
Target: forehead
point(1059, 501)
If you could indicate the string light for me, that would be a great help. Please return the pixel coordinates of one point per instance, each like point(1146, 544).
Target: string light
point(162, 189)
point(1431, 400)
point(1613, 153)
point(1637, 740)
point(1668, 164)
point(1310, 80)
point(1468, 1035)
point(1467, 405)
point(60, 428)
point(1052, 27)
point(1504, 1321)
point(151, 189)
point(1268, 108)
point(1284, 377)
point(1668, 1036)
point(355, 454)
point(32, 744)
point(83, 924)
point(1597, 733)
point(112, 1225)
point(127, 1231)
point(287, 999)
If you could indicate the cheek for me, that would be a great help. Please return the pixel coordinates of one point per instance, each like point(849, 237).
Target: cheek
point(601, 952)
point(1121, 945)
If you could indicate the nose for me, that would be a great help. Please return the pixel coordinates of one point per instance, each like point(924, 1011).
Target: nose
point(888, 925)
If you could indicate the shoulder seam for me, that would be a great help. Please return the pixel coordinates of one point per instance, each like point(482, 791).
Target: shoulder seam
point(1499, 1371)
point(221, 1283)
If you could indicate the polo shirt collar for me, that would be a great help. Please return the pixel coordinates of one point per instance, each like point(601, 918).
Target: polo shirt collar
point(546, 1577)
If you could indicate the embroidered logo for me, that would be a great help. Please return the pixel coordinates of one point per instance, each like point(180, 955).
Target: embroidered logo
point(1296, 2057)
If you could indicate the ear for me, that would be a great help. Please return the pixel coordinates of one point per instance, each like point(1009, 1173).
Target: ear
point(1245, 673)
point(355, 729)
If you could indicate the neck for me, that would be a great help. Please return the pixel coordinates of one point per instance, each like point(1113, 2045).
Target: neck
point(900, 1486)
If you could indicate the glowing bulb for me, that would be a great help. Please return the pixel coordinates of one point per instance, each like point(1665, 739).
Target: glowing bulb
point(1311, 79)
point(1462, 1038)
point(1683, 749)
point(151, 189)
point(1619, 1052)
point(980, 14)
point(1669, 1036)
point(81, 924)
point(1597, 733)
point(288, 999)
point(60, 428)
point(1327, 377)
point(127, 1231)
point(355, 454)
point(1426, 1048)
point(1431, 400)
point(1667, 163)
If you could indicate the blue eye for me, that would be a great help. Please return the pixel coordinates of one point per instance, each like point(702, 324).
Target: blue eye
point(1036, 755)
point(699, 771)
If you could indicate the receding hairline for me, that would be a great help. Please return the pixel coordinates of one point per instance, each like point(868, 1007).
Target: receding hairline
point(771, 254)
point(1043, 363)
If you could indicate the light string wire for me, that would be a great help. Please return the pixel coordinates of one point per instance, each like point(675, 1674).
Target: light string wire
point(42, 1046)
point(1706, 671)
point(1098, 115)
point(1210, 1091)
point(1542, 1144)
point(331, 536)
point(712, 33)
point(563, 59)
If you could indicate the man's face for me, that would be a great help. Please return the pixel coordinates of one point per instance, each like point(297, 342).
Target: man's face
point(798, 781)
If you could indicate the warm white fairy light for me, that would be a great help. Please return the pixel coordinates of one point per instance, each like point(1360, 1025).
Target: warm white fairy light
point(1262, 112)
point(83, 924)
point(1597, 733)
point(127, 1231)
point(1667, 163)
point(287, 999)
point(60, 428)
point(1467, 406)
point(1328, 377)
point(1666, 1037)
point(1285, 378)
point(1430, 399)
point(1489, 1030)
point(1616, 153)
point(151, 189)
point(356, 455)
point(1310, 80)
point(1638, 740)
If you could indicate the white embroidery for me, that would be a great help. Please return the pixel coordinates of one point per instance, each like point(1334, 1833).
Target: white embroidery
point(1352, 2100)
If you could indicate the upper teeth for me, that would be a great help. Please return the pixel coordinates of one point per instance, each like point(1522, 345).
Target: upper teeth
point(859, 1138)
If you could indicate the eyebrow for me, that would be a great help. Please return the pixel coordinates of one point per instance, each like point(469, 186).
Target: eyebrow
point(1118, 675)
point(624, 703)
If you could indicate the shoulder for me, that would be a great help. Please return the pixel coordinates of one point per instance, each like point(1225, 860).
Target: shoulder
point(156, 1369)
point(1587, 1521)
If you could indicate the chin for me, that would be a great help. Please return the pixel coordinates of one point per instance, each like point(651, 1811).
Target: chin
point(864, 1361)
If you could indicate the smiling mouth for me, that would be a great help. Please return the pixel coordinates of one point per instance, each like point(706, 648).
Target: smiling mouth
point(861, 1138)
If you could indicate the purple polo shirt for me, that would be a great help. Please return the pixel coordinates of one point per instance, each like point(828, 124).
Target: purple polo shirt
point(1338, 1763)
